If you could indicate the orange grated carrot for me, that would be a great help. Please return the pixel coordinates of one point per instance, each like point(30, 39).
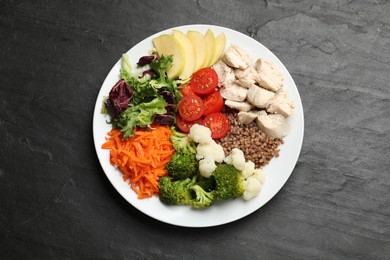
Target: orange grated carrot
point(141, 158)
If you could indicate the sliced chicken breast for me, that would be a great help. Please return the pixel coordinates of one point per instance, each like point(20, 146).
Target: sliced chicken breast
point(246, 117)
point(273, 125)
point(281, 103)
point(247, 77)
point(258, 96)
point(269, 76)
point(240, 106)
point(237, 58)
point(224, 72)
point(233, 92)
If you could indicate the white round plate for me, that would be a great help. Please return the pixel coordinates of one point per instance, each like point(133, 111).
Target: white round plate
point(277, 171)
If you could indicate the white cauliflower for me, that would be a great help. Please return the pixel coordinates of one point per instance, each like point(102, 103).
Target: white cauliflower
point(253, 184)
point(210, 150)
point(207, 166)
point(259, 175)
point(252, 178)
point(248, 170)
point(200, 134)
point(238, 159)
point(219, 153)
point(228, 159)
point(252, 187)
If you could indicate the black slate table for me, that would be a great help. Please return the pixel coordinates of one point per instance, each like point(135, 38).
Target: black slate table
point(56, 202)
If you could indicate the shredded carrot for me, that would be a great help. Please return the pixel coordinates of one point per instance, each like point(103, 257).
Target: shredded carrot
point(141, 158)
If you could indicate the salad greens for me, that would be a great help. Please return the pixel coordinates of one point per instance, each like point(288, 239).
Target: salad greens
point(140, 115)
point(148, 87)
point(152, 97)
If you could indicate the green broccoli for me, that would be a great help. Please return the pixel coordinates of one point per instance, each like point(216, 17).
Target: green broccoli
point(203, 199)
point(183, 163)
point(182, 166)
point(176, 192)
point(182, 143)
point(207, 183)
point(229, 184)
point(184, 192)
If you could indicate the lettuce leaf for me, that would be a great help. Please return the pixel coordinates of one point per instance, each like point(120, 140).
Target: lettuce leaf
point(140, 115)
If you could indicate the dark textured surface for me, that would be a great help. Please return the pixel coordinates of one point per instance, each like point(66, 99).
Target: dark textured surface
point(56, 201)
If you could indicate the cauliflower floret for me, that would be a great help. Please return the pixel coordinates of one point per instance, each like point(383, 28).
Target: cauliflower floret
point(200, 134)
point(252, 187)
point(219, 153)
point(228, 159)
point(248, 170)
point(207, 166)
point(259, 175)
point(238, 159)
point(207, 151)
point(253, 184)
point(204, 151)
point(210, 150)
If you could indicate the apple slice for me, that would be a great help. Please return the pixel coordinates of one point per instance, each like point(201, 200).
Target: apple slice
point(199, 44)
point(166, 45)
point(210, 47)
point(189, 54)
point(220, 42)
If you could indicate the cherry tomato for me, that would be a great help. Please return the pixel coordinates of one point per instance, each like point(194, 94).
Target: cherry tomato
point(213, 103)
point(204, 81)
point(190, 108)
point(218, 124)
point(186, 90)
point(185, 126)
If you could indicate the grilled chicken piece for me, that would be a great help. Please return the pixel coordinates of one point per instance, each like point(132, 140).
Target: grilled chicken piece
point(237, 58)
point(224, 72)
point(273, 125)
point(258, 96)
point(240, 106)
point(247, 77)
point(233, 92)
point(270, 77)
point(246, 117)
point(281, 104)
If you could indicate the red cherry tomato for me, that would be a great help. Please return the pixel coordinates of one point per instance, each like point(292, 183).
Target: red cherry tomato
point(190, 108)
point(213, 103)
point(218, 124)
point(186, 90)
point(185, 126)
point(204, 81)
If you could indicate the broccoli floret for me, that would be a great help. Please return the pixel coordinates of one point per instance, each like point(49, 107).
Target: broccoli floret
point(183, 163)
point(203, 199)
point(207, 183)
point(229, 184)
point(182, 143)
point(176, 192)
point(184, 192)
point(182, 166)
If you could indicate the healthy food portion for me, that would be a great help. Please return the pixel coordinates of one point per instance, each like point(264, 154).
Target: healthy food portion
point(196, 122)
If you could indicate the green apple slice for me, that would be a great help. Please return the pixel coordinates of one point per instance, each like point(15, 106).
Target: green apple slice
point(220, 42)
point(199, 44)
point(210, 47)
point(166, 45)
point(189, 54)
